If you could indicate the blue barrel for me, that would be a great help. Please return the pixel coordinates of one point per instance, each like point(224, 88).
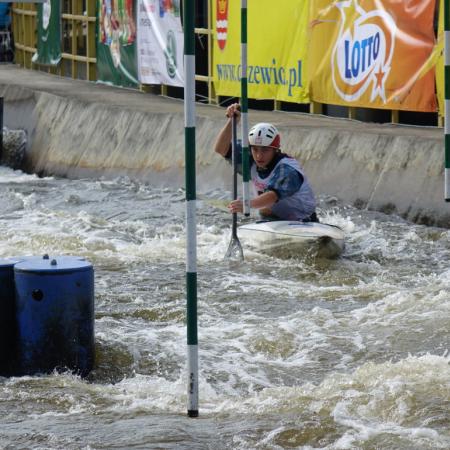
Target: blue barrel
point(8, 329)
point(55, 315)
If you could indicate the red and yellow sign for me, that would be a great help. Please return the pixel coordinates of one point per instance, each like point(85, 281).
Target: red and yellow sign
point(373, 53)
point(222, 22)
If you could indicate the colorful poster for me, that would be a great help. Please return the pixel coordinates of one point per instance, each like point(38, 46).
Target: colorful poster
point(49, 33)
point(439, 54)
point(116, 44)
point(373, 53)
point(160, 42)
point(277, 47)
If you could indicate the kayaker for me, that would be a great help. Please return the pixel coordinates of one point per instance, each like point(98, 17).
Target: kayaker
point(283, 190)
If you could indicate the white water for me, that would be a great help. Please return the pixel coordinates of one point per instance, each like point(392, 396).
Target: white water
point(303, 353)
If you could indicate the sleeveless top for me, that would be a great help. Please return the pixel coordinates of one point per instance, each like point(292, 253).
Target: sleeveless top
point(298, 206)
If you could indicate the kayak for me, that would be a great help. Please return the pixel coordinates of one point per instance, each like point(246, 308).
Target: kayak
point(285, 238)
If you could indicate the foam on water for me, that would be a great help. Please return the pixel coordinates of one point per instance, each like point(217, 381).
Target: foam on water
point(301, 353)
point(8, 175)
point(401, 402)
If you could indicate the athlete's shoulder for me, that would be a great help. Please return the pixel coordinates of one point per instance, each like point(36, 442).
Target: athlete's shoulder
point(287, 159)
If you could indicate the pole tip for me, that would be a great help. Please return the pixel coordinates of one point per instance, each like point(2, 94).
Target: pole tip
point(192, 412)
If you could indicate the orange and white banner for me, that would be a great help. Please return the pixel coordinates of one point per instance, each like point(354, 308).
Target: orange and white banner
point(373, 53)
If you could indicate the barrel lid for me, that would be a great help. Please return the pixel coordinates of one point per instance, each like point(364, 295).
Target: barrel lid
point(9, 262)
point(53, 264)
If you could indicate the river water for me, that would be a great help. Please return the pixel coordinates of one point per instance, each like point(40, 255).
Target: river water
point(302, 353)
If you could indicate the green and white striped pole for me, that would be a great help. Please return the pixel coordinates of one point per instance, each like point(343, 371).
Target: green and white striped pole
point(447, 98)
point(191, 204)
point(244, 111)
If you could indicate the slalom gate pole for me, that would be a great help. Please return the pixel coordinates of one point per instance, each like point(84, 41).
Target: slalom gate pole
point(244, 111)
point(447, 98)
point(191, 204)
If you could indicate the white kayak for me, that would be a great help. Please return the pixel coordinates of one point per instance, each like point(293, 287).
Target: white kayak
point(292, 238)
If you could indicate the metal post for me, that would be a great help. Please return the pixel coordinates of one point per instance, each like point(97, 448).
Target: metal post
point(210, 53)
point(447, 98)
point(90, 41)
point(191, 227)
point(74, 42)
point(244, 111)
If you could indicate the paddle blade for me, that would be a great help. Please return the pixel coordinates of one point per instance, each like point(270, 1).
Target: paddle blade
point(234, 251)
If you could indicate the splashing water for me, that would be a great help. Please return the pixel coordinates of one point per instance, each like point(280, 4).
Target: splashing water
point(300, 353)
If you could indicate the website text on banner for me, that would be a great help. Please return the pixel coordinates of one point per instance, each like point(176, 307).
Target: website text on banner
point(277, 47)
point(160, 43)
point(373, 54)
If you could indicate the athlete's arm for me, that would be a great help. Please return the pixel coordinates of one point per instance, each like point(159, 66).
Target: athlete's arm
point(265, 200)
point(223, 140)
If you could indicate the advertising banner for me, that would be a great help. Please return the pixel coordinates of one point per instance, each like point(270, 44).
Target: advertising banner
point(439, 53)
point(160, 42)
point(116, 44)
point(373, 54)
point(49, 33)
point(277, 47)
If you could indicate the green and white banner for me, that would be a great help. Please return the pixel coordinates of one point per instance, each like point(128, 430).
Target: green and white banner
point(116, 43)
point(49, 33)
point(160, 42)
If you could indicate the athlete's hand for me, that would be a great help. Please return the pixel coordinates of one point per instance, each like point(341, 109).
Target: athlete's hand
point(265, 212)
point(236, 206)
point(234, 110)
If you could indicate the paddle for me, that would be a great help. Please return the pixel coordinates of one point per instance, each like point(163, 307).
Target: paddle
point(234, 248)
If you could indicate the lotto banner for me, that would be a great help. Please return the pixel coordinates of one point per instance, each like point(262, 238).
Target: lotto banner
point(160, 42)
point(277, 47)
point(373, 53)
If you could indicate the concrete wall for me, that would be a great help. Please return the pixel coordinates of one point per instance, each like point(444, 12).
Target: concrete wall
point(82, 129)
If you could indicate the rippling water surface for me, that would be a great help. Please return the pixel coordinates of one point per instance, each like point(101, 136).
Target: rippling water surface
point(305, 353)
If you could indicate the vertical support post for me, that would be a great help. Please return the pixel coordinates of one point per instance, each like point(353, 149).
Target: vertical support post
point(244, 111)
point(210, 54)
point(191, 205)
point(31, 36)
point(62, 68)
point(352, 113)
point(19, 38)
point(90, 41)
point(26, 33)
point(315, 108)
point(447, 98)
point(80, 39)
point(74, 30)
point(395, 116)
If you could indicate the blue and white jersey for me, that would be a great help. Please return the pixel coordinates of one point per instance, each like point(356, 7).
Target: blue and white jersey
point(295, 196)
point(286, 178)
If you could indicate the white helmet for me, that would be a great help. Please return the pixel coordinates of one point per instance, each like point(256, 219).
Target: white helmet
point(264, 134)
